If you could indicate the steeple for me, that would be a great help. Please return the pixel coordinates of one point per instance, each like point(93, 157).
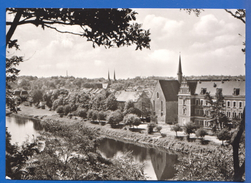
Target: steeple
point(179, 71)
point(109, 77)
point(114, 76)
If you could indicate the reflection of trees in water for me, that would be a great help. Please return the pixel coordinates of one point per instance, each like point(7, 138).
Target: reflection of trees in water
point(110, 147)
point(163, 164)
point(21, 121)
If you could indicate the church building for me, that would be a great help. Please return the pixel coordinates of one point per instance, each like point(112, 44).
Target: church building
point(182, 101)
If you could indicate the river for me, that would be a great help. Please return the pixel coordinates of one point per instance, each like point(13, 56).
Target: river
point(159, 164)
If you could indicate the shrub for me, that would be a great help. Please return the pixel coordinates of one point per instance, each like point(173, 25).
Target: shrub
point(163, 135)
point(101, 115)
point(190, 128)
point(201, 133)
point(176, 128)
point(67, 109)
point(89, 114)
point(82, 113)
point(115, 117)
point(131, 120)
point(150, 127)
point(60, 109)
point(158, 128)
point(94, 115)
point(224, 134)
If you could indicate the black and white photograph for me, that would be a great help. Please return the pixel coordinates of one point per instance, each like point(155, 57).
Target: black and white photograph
point(125, 94)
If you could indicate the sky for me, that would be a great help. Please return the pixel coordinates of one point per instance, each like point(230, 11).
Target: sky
point(208, 45)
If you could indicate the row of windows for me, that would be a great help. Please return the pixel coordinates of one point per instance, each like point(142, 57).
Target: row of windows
point(236, 91)
point(234, 104)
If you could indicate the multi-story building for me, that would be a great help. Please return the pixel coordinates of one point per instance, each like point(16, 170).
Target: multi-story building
point(184, 100)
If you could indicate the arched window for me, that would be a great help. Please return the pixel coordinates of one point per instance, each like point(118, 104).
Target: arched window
point(157, 94)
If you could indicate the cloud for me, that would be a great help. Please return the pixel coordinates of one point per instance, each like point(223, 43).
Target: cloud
point(162, 55)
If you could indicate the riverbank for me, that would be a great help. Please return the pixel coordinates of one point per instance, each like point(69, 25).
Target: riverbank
point(170, 142)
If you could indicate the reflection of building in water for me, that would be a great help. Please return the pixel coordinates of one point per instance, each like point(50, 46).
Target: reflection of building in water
point(163, 164)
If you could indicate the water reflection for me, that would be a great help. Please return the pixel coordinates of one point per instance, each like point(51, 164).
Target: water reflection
point(22, 128)
point(159, 165)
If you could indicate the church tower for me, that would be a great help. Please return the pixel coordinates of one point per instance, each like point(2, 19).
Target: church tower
point(179, 71)
point(109, 77)
point(114, 76)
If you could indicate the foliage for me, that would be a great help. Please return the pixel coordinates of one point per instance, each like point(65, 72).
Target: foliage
point(111, 103)
point(129, 104)
point(11, 75)
point(115, 117)
point(207, 166)
point(37, 96)
point(158, 128)
point(176, 128)
point(60, 109)
point(133, 110)
point(57, 103)
point(150, 127)
point(82, 113)
point(224, 134)
point(131, 120)
point(201, 133)
point(89, 114)
point(17, 157)
point(189, 128)
point(108, 27)
point(67, 109)
point(101, 115)
point(94, 115)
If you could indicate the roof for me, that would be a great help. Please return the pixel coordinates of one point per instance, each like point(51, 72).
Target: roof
point(192, 86)
point(227, 87)
point(170, 89)
point(125, 96)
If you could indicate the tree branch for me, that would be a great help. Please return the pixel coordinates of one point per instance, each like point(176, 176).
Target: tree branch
point(236, 16)
point(68, 32)
point(13, 27)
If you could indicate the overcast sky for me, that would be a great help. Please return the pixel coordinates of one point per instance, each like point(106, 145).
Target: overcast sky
point(209, 45)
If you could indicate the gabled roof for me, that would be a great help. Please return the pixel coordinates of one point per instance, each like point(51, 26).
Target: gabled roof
point(192, 86)
point(226, 86)
point(170, 89)
point(125, 96)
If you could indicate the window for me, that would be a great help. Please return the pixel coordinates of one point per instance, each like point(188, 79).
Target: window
point(240, 104)
point(234, 104)
point(201, 102)
point(161, 105)
point(184, 111)
point(197, 102)
point(203, 91)
point(157, 94)
point(228, 103)
point(153, 105)
point(236, 91)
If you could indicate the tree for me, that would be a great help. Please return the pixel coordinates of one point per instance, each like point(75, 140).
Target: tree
point(37, 96)
point(131, 120)
point(101, 115)
point(189, 128)
point(82, 113)
point(111, 103)
point(115, 117)
point(176, 128)
point(108, 27)
point(67, 109)
point(216, 110)
point(60, 109)
point(201, 133)
point(224, 134)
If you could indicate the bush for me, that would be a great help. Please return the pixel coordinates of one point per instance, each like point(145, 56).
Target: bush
point(150, 127)
point(89, 114)
point(115, 117)
point(67, 109)
point(101, 115)
point(176, 128)
point(82, 113)
point(224, 134)
point(190, 128)
point(94, 115)
point(131, 120)
point(201, 133)
point(60, 109)
point(158, 128)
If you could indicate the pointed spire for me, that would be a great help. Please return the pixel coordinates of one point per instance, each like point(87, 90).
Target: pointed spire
point(179, 71)
point(114, 76)
point(109, 76)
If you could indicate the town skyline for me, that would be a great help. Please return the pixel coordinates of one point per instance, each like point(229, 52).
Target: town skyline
point(209, 45)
